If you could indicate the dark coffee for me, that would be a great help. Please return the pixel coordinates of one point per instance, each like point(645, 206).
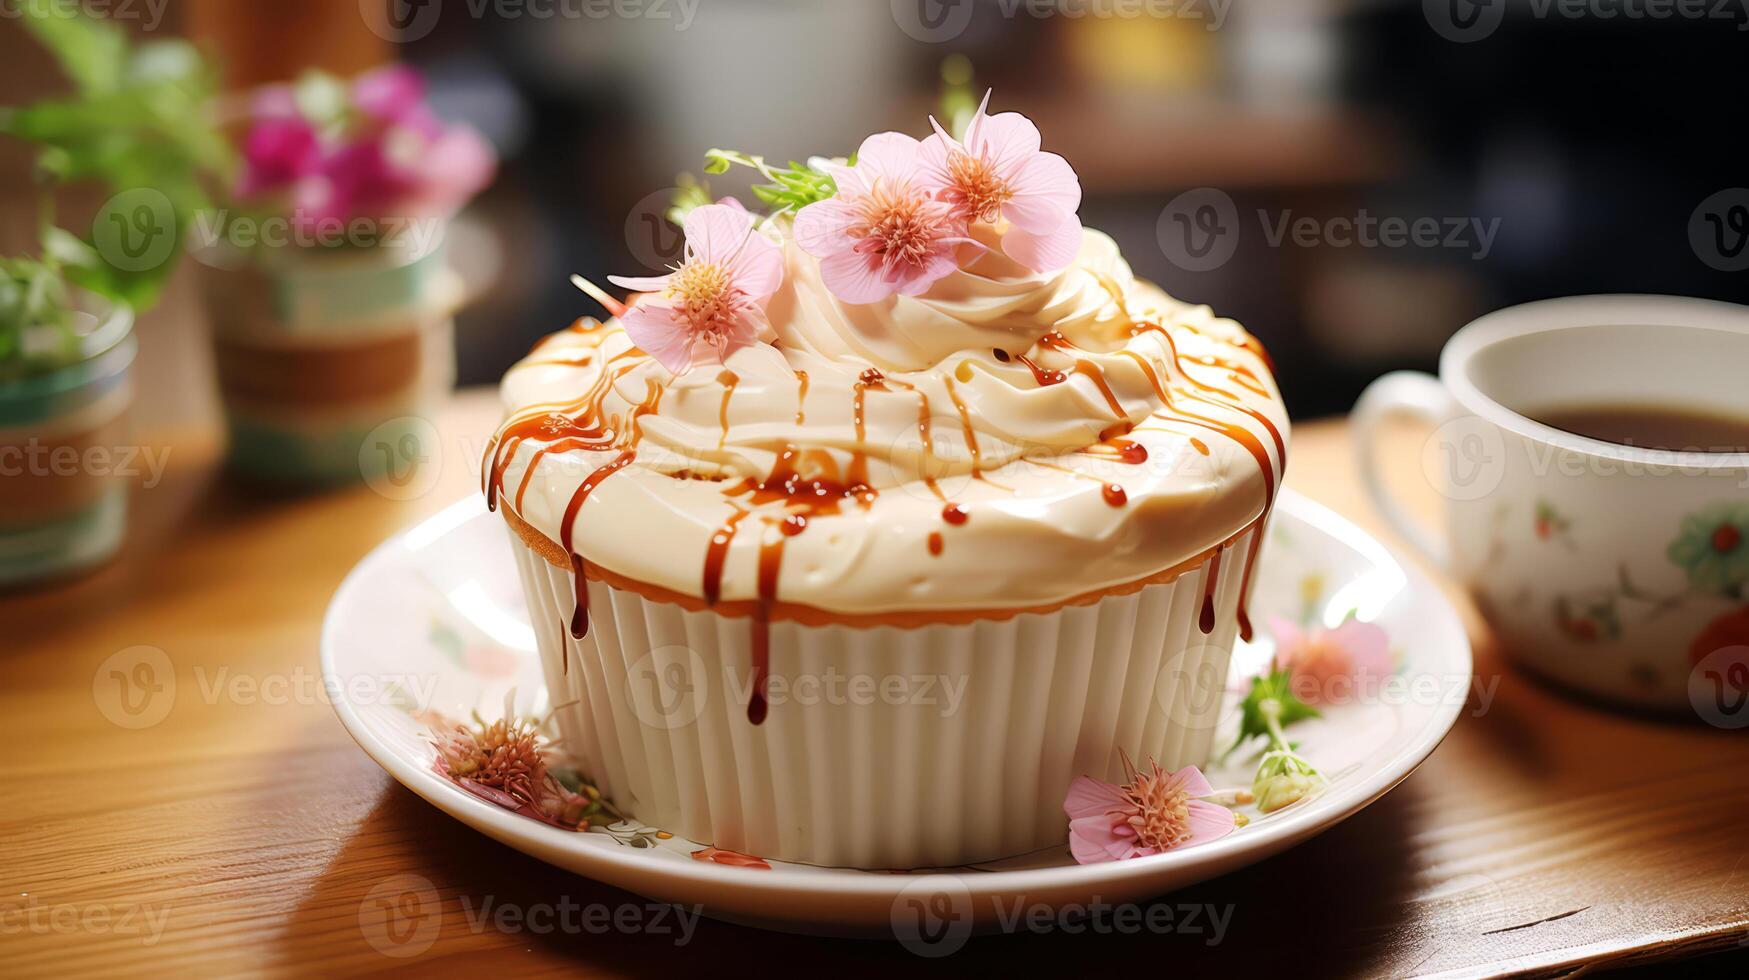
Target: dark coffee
point(1654, 427)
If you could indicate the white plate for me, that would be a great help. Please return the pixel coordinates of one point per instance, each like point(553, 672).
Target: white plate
point(434, 618)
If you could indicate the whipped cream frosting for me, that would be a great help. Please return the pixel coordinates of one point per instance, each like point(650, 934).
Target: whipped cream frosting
point(1006, 439)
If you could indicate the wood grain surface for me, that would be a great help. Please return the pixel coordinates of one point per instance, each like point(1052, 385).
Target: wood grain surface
point(242, 832)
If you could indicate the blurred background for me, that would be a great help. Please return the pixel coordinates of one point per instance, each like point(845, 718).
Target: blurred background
point(1238, 150)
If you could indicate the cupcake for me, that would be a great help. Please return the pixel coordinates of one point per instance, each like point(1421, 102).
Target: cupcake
point(857, 537)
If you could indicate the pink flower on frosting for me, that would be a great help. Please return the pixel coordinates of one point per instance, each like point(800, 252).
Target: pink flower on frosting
point(715, 297)
point(1324, 665)
point(1153, 812)
point(885, 231)
point(999, 173)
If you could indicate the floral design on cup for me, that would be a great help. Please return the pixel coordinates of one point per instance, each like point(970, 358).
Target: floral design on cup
point(1714, 549)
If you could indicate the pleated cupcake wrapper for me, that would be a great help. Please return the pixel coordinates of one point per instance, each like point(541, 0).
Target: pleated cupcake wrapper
point(883, 747)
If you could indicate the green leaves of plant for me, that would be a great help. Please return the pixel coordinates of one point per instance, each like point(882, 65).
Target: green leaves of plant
point(790, 188)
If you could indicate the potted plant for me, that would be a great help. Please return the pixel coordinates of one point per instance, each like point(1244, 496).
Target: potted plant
point(135, 127)
point(330, 302)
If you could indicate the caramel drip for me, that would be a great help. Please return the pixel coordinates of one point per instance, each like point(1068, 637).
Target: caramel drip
point(728, 379)
point(970, 434)
point(1229, 400)
point(567, 531)
point(955, 514)
point(1206, 621)
point(770, 563)
point(579, 419)
point(717, 554)
point(1125, 451)
point(1115, 495)
point(1044, 378)
point(1199, 445)
point(801, 397)
point(935, 543)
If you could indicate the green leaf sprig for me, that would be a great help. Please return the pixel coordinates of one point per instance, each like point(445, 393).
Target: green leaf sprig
point(1283, 776)
point(789, 188)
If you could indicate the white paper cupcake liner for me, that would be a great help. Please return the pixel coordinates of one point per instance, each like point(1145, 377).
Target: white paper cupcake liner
point(883, 747)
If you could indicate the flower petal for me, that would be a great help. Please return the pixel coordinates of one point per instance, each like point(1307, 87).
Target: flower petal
point(1367, 644)
point(1047, 252)
point(757, 270)
point(823, 228)
point(915, 280)
point(1007, 139)
point(1208, 822)
point(855, 277)
point(887, 156)
point(1045, 177)
point(1091, 841)
point(1192, 781)
point(658, 332)
point(1088, 796)
point(641, 284)
point(715, 232)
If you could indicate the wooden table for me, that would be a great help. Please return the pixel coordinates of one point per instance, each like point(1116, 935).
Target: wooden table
point(243, 831)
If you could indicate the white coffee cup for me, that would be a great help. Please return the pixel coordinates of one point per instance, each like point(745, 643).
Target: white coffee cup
point(1616, 570)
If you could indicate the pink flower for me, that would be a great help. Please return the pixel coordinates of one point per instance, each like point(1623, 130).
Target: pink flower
point(278, 151)
point(884, 232)
point(1323, 665)
point(715, 297)
point(1155, 811)
point(998, 173)
point(391, 156)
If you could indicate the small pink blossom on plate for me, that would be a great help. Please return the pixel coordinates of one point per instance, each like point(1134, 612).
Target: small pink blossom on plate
point(885, 232)
point(715, 298)
point(999, 173)
point(1154, 811)
point(1323, 665)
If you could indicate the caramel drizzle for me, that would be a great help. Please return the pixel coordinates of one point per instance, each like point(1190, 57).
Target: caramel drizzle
point(770, 562)
point(801, 397)
point(728, 379)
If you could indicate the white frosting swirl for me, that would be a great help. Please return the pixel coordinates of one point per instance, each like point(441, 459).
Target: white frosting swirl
point(926, 400)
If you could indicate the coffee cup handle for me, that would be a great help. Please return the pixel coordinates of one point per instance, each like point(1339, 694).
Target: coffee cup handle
point(1417, 395)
